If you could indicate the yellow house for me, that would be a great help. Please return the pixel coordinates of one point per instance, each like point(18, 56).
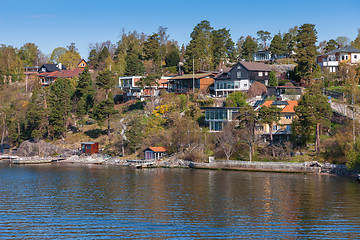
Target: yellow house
point(282, 130)
point(82, 64)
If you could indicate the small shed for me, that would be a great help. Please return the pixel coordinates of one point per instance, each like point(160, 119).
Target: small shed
point(5, 148)
point(90, 147)
point(155, 153)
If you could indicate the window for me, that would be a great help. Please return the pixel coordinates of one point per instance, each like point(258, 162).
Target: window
point(287, 116)
point(259, 128)
point(238, 74)
point(245, 85)
point(260, 74)
point(343, 57)
point(355, 56)
point(266, 73)
point(275, 128)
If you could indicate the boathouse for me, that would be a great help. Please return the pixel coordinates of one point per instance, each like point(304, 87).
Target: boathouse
point(155, 153)
point(90, 147)
point(5, 148)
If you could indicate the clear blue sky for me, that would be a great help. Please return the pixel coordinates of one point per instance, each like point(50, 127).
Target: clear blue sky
point(51, 24)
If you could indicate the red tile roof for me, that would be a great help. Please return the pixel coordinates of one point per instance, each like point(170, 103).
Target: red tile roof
point(287, 109)
point(63, 73)
point(158, 149)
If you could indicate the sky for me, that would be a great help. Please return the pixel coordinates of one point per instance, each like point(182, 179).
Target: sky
point(52, 24)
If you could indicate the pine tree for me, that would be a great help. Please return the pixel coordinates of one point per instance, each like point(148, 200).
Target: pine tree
point(249, 47)
point(273, 79)
point(103, 111)
point(277, 46)
point(106, 81)
point(306, 50)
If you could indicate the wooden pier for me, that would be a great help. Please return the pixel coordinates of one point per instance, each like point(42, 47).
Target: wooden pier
point(35, 160)
point(140, 163)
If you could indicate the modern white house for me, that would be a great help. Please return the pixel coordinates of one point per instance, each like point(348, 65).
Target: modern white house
point(216, 117)
point(331, 60)
point(266, 55)
point(240, 77)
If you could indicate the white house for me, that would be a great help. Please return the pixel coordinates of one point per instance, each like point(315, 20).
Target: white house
point(331, 60)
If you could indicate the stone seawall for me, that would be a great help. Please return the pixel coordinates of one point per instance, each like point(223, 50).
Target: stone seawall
point(259, 166)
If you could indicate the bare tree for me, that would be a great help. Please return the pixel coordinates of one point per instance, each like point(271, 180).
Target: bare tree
point(227, 139)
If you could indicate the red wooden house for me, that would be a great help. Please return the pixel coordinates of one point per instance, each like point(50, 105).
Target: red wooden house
point(90, 147)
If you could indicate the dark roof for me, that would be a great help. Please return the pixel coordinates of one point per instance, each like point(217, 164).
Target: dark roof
point(279, 103)
point(348, 49)
point(255, 66)
point(258, 103)
point(50, 67)
point(5, 145)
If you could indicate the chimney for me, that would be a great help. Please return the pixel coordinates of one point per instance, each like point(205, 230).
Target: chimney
point(59, 66)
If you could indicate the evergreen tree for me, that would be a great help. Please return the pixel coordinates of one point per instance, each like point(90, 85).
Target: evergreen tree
point(85, 89)
point(199, 48)
point(306, 50)
point(222, 46)
point(134, 66)
point(105, 80)
point(356, 42)
point(249, 47)
point(331, 45)
point(313, 111)
point(60, 105)
point(103, 111)
point(277, 46)
point(36, 125)
point(172, 58)
point(236, 99)
point(273, 79)
point(263, 36)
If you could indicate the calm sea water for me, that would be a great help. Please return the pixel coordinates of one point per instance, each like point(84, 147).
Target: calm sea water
point(110, 202)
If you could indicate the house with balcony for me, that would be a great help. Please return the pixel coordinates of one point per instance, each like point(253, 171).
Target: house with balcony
point(331, 60)
point(266, 55)
point(201, 81)
point(282, 129)
point(240, 77)
point(217, 117)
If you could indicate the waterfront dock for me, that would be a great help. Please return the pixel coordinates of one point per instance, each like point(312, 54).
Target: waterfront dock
point(35, 160)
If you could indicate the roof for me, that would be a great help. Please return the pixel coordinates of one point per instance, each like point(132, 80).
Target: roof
point(88, 143)
point(51, 67)
point(158, 149)
point(220, 108)
point(63, 74)
point(190, 76)
point(256, 66)
point(289, 108)
point(348, 49)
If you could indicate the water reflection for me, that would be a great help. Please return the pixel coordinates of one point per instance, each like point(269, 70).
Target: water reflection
point(69, 201)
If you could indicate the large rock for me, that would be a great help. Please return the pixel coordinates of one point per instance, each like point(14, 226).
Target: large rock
point(40, 148)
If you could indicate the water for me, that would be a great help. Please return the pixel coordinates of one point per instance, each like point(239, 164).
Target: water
point(109, 202)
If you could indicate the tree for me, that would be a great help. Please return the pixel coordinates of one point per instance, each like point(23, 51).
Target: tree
point(29, 54)
point(270, 115)
point(56, 54)
point(70, 58)
point(306, 50)
point(356, 42)
point(238, 48)
point(227, 139)
point(172, 58)
point(273, 79)
point(134, 66)
point(249, 47)
point(37, 121)
point(263, 36)
point(103, 111)
point(343, 41)
point(11, 66)
point(60, 106)
point(312, 113)
point(236, 99)
point(222, 46)
point(248, 119)
point(331, 45)
point(277, 46)
point(199, 48)
point(106, 81)
point(85, 90)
